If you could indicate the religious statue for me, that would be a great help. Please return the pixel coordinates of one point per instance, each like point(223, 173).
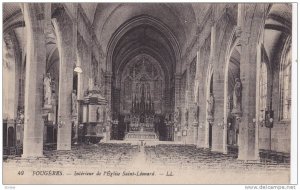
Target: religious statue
point(196, 113)
point(211, 104)
point(177, 115)
point(98, 113)
point(74, 103)
point(166, 118)
point(20, 116)
point(229, 102)
point(91, 84)
point(237, 95)
point(47, 90)
point(108, 115)
point(186, 115)
point(186, 122)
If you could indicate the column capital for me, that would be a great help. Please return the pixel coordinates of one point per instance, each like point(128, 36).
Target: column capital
point(108, 74)
point(178, 76)
point(195, 124)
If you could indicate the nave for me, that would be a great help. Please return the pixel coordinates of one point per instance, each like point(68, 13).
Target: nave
point(207, 86)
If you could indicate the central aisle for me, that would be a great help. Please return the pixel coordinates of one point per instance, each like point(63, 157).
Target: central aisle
point(139, 161)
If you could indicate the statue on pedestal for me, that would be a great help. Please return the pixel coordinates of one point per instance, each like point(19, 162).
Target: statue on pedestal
point(186, 118)
point(166, 119)
point(47, 90)
point(177, 115)
point(211, 104)
point(74, 103)
point(237, 95)
point(108, 115)
point(20, 116)
point(229, 102)
point(196, 114)
point(186, 115)
point(98, 113)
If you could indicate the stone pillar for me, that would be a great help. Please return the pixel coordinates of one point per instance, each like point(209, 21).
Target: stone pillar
point(218, 83)
point(225, 128)
point(249, 39)
point(195, 125)
point(208, 82)
point(35, 70)
point(177, 105)
point(64, 27)
point(218, 124)
point(224, 29)
point(108, 77)
point(11, 73)
point(177, 90)
point(80, 91)
point(108, 80)
point(116, 103)
point(239, 16)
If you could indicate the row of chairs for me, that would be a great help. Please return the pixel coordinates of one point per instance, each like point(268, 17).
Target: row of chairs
point(190, 156)
point(13, 151)
point(98, 154)
point(270, 156)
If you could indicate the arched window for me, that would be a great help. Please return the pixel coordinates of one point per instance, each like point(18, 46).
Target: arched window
point(285, 86)
point(263, 89)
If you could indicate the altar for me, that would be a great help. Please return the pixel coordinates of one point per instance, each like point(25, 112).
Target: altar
point(142, 118)
point(141, 130)
point(146, 136)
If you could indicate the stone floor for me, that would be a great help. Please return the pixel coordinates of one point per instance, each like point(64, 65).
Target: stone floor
point(162, 159)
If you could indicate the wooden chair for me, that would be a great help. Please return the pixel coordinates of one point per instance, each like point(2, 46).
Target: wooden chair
point(12, 151)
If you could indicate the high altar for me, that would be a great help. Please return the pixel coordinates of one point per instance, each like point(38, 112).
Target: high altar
point(143, 92)
point(142, 118)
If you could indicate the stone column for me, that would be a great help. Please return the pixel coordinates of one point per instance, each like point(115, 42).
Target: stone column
point(217, 129)
point(11, 73)
point(249, 39)
point(64, 27)
point(80, 91)
point(208, 82)
point(177, 104)
point(224, 30)
point(218, 83)
point(195, 125)
point(35, 70)
point(108, 78)
point(202, 109)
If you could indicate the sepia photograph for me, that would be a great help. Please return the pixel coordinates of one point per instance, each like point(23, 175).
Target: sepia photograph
point(148, 93)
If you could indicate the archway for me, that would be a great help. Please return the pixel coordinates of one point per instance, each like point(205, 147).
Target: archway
point(142, 53)
point(232, 77)
point(273, 99)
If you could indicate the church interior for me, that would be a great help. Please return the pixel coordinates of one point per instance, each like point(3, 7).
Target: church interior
point(189, 85)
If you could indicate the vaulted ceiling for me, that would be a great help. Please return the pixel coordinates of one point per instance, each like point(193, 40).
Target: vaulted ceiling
point(181, 19)
point(277, 27)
